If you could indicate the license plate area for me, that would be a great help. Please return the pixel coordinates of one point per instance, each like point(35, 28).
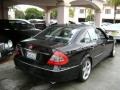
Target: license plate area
point(31, 55)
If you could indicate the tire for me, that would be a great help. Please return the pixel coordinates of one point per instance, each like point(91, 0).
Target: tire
point(85, 70)
point(112, 54)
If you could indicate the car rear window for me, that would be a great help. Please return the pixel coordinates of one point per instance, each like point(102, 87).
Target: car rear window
point(59, 34)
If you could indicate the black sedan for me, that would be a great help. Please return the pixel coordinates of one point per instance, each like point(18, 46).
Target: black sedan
point(64, 52)
point(6, 47)
point(17, 30)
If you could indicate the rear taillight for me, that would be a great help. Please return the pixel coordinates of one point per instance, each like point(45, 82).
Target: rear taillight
point(58, 59)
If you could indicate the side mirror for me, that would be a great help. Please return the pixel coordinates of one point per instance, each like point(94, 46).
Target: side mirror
point(110, 37)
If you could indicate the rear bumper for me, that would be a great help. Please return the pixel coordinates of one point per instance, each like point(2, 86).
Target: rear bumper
point(47, 74)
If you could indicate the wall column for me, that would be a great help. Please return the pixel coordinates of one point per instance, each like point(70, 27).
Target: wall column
point(98, 18)
point(63, 13)
point(3, 11)
point(47, 17)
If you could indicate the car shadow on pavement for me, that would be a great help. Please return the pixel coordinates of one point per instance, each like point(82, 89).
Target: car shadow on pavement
point(31, 82)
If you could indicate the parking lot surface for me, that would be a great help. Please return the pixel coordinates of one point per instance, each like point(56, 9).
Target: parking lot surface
point(105, 76)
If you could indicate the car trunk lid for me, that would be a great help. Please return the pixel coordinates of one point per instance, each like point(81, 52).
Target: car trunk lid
point(39, 51)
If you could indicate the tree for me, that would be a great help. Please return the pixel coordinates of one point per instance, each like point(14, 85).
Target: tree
point(90, 16)
point(54, 13)
point(19, 14)
point(115, 4)
point(71, 12)
point(33, 13)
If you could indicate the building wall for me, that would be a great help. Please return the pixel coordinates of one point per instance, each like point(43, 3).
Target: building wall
point(110, 15)
point(107, 13)
point(82, 12)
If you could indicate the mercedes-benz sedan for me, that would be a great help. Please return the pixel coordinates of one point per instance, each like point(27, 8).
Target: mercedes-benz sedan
point(64, 52)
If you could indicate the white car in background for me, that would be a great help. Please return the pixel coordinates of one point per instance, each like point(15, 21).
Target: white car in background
point(113, 30)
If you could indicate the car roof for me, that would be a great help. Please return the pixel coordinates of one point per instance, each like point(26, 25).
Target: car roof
point(20, 20)
point(36, 19)
point(7, 20)
point(73, 25)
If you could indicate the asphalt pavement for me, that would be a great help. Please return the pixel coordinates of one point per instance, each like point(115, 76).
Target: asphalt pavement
point(105, 76)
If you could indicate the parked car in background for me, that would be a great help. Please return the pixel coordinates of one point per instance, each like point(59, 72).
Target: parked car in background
point(106, 23)
point(17, 30)
point(64, 52)
point(39, 23)
point(6, 46)
point(113, 30)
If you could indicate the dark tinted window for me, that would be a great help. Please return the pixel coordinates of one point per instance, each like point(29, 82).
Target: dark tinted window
point(93, 34)
point(20, 25)
point(58, 33)
point(86, 38)
point(96, 35)
point(100, 34)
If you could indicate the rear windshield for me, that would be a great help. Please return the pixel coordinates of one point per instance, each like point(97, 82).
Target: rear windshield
point(58, 34)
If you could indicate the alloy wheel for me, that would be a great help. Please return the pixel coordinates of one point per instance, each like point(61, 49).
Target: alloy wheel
point(86, 69)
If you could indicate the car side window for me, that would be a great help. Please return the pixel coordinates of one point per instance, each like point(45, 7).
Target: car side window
point(100, 34)
point(86, 38)
point(93, 34)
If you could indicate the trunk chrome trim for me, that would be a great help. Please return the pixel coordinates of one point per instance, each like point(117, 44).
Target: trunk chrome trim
point(58, 70)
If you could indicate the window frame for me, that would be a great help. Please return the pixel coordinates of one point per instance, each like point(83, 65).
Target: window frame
point(93, 39)
point(107, 11)
point(118, 11)
point(82, 11)
point(84, 38)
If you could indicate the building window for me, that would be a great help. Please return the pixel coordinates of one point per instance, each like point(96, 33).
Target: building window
point(82, 11)
point(107, 11)
point(118, 11)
